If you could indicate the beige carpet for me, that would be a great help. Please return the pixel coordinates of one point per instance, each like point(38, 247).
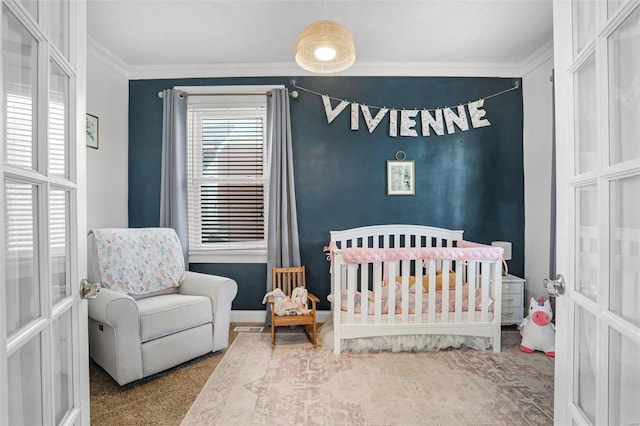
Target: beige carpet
point(296, 384)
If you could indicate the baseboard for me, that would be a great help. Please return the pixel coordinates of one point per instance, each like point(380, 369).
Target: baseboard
point(259, 316)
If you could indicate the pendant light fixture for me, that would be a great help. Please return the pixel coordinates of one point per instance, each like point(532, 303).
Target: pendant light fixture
point(325, 47)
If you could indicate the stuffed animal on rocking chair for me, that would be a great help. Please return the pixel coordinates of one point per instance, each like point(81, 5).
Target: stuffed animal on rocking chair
point(537, 330)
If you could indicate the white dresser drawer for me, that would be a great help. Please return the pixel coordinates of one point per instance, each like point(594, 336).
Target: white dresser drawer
point(512, 300)
point(511, 315)
point(511, 288)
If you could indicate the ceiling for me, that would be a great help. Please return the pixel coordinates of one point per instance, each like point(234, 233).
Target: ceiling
point(243, 36)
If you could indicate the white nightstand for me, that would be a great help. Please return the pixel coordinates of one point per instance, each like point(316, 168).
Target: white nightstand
point(512, 299)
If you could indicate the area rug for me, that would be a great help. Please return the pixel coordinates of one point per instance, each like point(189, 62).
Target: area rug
point(297, 384)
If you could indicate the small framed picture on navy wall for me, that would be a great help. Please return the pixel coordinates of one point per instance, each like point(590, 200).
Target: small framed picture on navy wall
point(92, 131)
point(400, 177)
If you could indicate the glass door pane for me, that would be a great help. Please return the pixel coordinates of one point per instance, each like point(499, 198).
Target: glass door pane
point(585, 18)
point(587, 245)
point(585, 377)
point(32, 8)
point(624, 90)
point(59, 244)
point(586, 132)
point(58, 118)
point(62, 355)
point(624, 290)
point(613, 6)
point(624, 380)
point(59, 24)
point(19, 80)
point(21, 255)
point(25, 384)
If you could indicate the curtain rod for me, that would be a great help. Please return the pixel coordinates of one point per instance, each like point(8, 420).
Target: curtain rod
point(293, 94)
point(161, 95)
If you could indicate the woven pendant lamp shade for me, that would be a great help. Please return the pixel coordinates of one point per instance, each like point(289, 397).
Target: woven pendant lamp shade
point(322, 34)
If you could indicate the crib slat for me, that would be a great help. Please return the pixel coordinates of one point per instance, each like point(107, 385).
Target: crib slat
point(364, 293)
point(377, 291)
point(432, 291)
point(396, 244)
point(446, 267)
point(391, 292)
point(336, 288)
point(342, 271)
point(405, 290)
point(458, 307)
point(351, 290)
point(471, 270)
point(486, 276)
point(418, 293)
point(497, 304)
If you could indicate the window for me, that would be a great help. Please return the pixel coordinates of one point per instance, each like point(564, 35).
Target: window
point(228, 178)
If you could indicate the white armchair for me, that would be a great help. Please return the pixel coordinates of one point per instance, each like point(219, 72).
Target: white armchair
point(151, 314)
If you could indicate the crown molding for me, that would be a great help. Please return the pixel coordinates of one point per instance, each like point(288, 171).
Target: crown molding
point(377, 69)
point(107, 57)
point(278, 69)
point(537, 58)
point(267, 69)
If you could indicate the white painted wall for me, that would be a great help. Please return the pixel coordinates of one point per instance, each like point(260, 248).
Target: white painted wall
point(538, 123)
point(107, 168)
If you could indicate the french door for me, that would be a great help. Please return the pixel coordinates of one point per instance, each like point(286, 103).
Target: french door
point(597, 63)
point(43, 343)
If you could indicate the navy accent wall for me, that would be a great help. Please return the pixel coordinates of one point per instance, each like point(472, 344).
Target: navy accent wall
point(471, 180)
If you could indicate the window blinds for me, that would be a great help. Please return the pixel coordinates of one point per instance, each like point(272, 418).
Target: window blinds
point(227, 171)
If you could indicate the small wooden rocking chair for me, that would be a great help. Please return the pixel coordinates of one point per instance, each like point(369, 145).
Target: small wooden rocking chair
point(287, 279)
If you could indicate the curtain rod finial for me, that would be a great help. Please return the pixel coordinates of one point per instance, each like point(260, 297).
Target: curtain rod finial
point(294, 94)
point(160, 94)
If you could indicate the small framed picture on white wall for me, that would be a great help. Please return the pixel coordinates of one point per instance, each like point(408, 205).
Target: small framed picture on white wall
point(92, 131)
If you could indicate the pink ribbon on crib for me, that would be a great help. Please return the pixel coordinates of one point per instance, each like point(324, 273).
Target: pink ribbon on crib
point(465, 251)
point(329, 250)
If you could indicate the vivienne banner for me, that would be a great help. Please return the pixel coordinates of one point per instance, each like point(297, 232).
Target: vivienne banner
point(411, 122)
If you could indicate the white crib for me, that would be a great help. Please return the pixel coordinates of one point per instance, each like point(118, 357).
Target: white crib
point(367, 301)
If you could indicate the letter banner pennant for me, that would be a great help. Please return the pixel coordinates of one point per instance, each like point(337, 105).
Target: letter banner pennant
point(412, 122)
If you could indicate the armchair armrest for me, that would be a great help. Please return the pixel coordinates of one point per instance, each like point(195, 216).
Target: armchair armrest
point(221, 291)
point(115, 335)
point(111, 307)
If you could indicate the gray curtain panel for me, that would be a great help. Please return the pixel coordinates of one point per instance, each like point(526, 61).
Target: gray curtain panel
point(173, 186)
point(283, 244)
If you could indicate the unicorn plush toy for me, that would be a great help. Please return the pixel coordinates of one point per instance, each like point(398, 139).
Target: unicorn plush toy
point(537, 330)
